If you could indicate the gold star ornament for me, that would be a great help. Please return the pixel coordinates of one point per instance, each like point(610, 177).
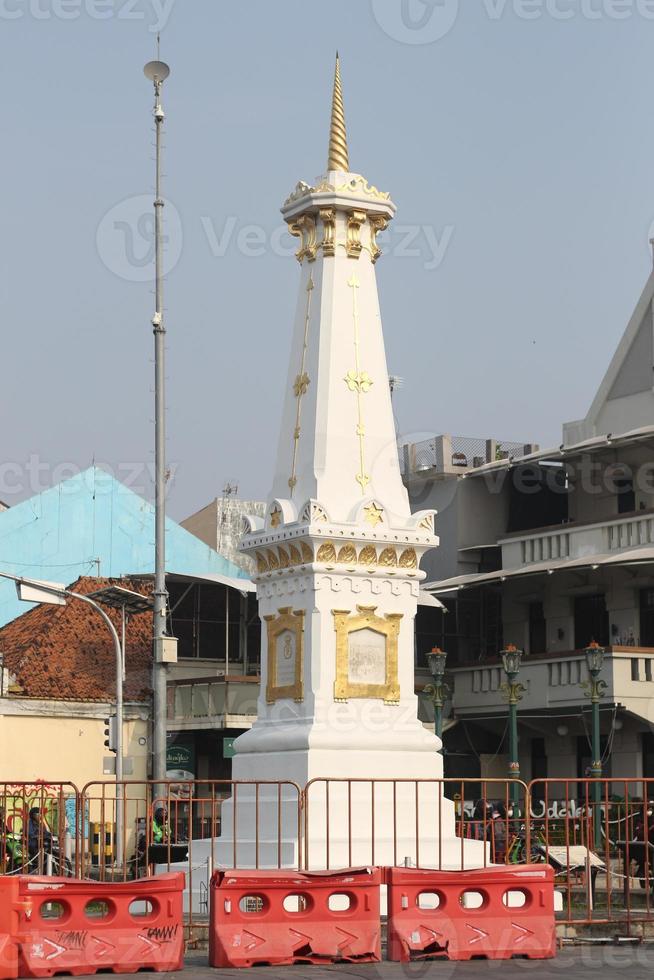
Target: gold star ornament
point(374, 515)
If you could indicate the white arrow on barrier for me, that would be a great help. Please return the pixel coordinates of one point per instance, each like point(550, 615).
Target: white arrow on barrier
point(38, 950)
point(480, 934)
point(521, 929)
point(105, 946)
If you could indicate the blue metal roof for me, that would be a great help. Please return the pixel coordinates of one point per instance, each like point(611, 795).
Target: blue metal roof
point(92, 524)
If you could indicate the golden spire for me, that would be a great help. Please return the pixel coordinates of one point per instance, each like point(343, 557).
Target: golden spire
point(338, 158)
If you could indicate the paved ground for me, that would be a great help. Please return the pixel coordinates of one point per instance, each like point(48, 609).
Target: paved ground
point(574, 963)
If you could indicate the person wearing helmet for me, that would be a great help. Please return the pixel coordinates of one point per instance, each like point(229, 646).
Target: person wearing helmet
point(644, 833)
point(11, 851)
point(500, 825)
point(160, 826)
point(39, 838)
point(481, 819)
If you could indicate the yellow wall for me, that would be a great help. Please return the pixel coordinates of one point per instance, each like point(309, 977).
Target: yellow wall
point(67, 749)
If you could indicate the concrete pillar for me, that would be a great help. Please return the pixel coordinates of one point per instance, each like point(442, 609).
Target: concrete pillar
point(515, 620)
point(622, 603)
point(559, 623)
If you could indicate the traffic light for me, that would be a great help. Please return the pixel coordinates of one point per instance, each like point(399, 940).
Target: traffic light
point(110, 733)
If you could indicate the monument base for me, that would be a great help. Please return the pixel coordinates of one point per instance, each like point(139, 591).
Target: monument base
point(361, 807)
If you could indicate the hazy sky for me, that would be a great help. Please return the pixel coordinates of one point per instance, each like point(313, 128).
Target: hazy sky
point(516, 137)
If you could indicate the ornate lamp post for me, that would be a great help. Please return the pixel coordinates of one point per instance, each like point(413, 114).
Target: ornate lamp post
point(437, 691)
point(595, 689)
point(513, 690)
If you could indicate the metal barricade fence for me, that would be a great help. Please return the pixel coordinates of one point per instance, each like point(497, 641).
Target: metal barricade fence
point(599, 836)
point(191, 826)
point(38, 822)
point(446, 823)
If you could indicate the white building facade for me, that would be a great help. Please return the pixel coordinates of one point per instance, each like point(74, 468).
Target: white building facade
point(550, 550)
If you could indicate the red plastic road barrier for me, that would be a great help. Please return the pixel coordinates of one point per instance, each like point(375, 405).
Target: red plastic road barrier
point(286, 917)
point(80, 927)
point(10, 905)
point(494, 913)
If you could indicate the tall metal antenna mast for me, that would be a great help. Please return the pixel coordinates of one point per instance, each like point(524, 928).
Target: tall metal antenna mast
point(157, 72)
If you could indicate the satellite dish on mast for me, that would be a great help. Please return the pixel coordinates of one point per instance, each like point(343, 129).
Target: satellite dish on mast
point(156, 71)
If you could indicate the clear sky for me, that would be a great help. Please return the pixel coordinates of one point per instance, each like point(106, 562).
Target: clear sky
point(516, 138)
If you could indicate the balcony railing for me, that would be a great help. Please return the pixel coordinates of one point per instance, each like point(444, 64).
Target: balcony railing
point(577, 540)
point(452, 454)
point(212, 702)
point(554, 681)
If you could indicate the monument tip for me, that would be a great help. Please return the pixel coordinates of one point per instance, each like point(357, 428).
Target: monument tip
point(338, 154)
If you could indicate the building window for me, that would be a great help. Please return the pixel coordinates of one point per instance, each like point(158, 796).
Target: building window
point(647, 744)
point(591, 621)
point(205, 619)
point(647, 617)
point(624, 486)
point(473, 627)
point(537, 628)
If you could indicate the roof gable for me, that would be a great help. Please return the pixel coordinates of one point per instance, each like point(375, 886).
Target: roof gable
point(92, 524)
point(625, 397)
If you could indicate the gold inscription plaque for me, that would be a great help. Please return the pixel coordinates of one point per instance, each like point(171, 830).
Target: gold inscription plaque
point(285, 655)
point(366, 655)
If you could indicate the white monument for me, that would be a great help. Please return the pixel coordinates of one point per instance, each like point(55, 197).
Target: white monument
point(337, 570)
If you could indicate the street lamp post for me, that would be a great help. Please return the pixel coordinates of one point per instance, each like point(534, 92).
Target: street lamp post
point(513, 690)
point(437, 691)
point(157, 72)
point(595, 689)
point(31, 590)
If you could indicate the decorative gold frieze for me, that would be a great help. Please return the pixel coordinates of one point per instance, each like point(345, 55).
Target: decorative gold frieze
point(359, 185)
point(328, 243)
point(368, 556)
point(296, 557)
point(427, 523)
point(366, 655)
point(300, 190)
point(378, 223)
point(285, 655)
point(326, 553)
point(354, 221)
point(408, 558)
point(292, 555)
point(347, 555)
point(388, 558)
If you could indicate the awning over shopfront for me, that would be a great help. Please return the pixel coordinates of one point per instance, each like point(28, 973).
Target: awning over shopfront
point(563, 452)
point(634, 556)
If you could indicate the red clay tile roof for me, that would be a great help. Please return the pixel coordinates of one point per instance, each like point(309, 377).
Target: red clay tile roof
point(65, 653)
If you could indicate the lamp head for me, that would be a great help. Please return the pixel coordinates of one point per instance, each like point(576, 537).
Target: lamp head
point(594, 658)
point(511, 659)
point(436, 660)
